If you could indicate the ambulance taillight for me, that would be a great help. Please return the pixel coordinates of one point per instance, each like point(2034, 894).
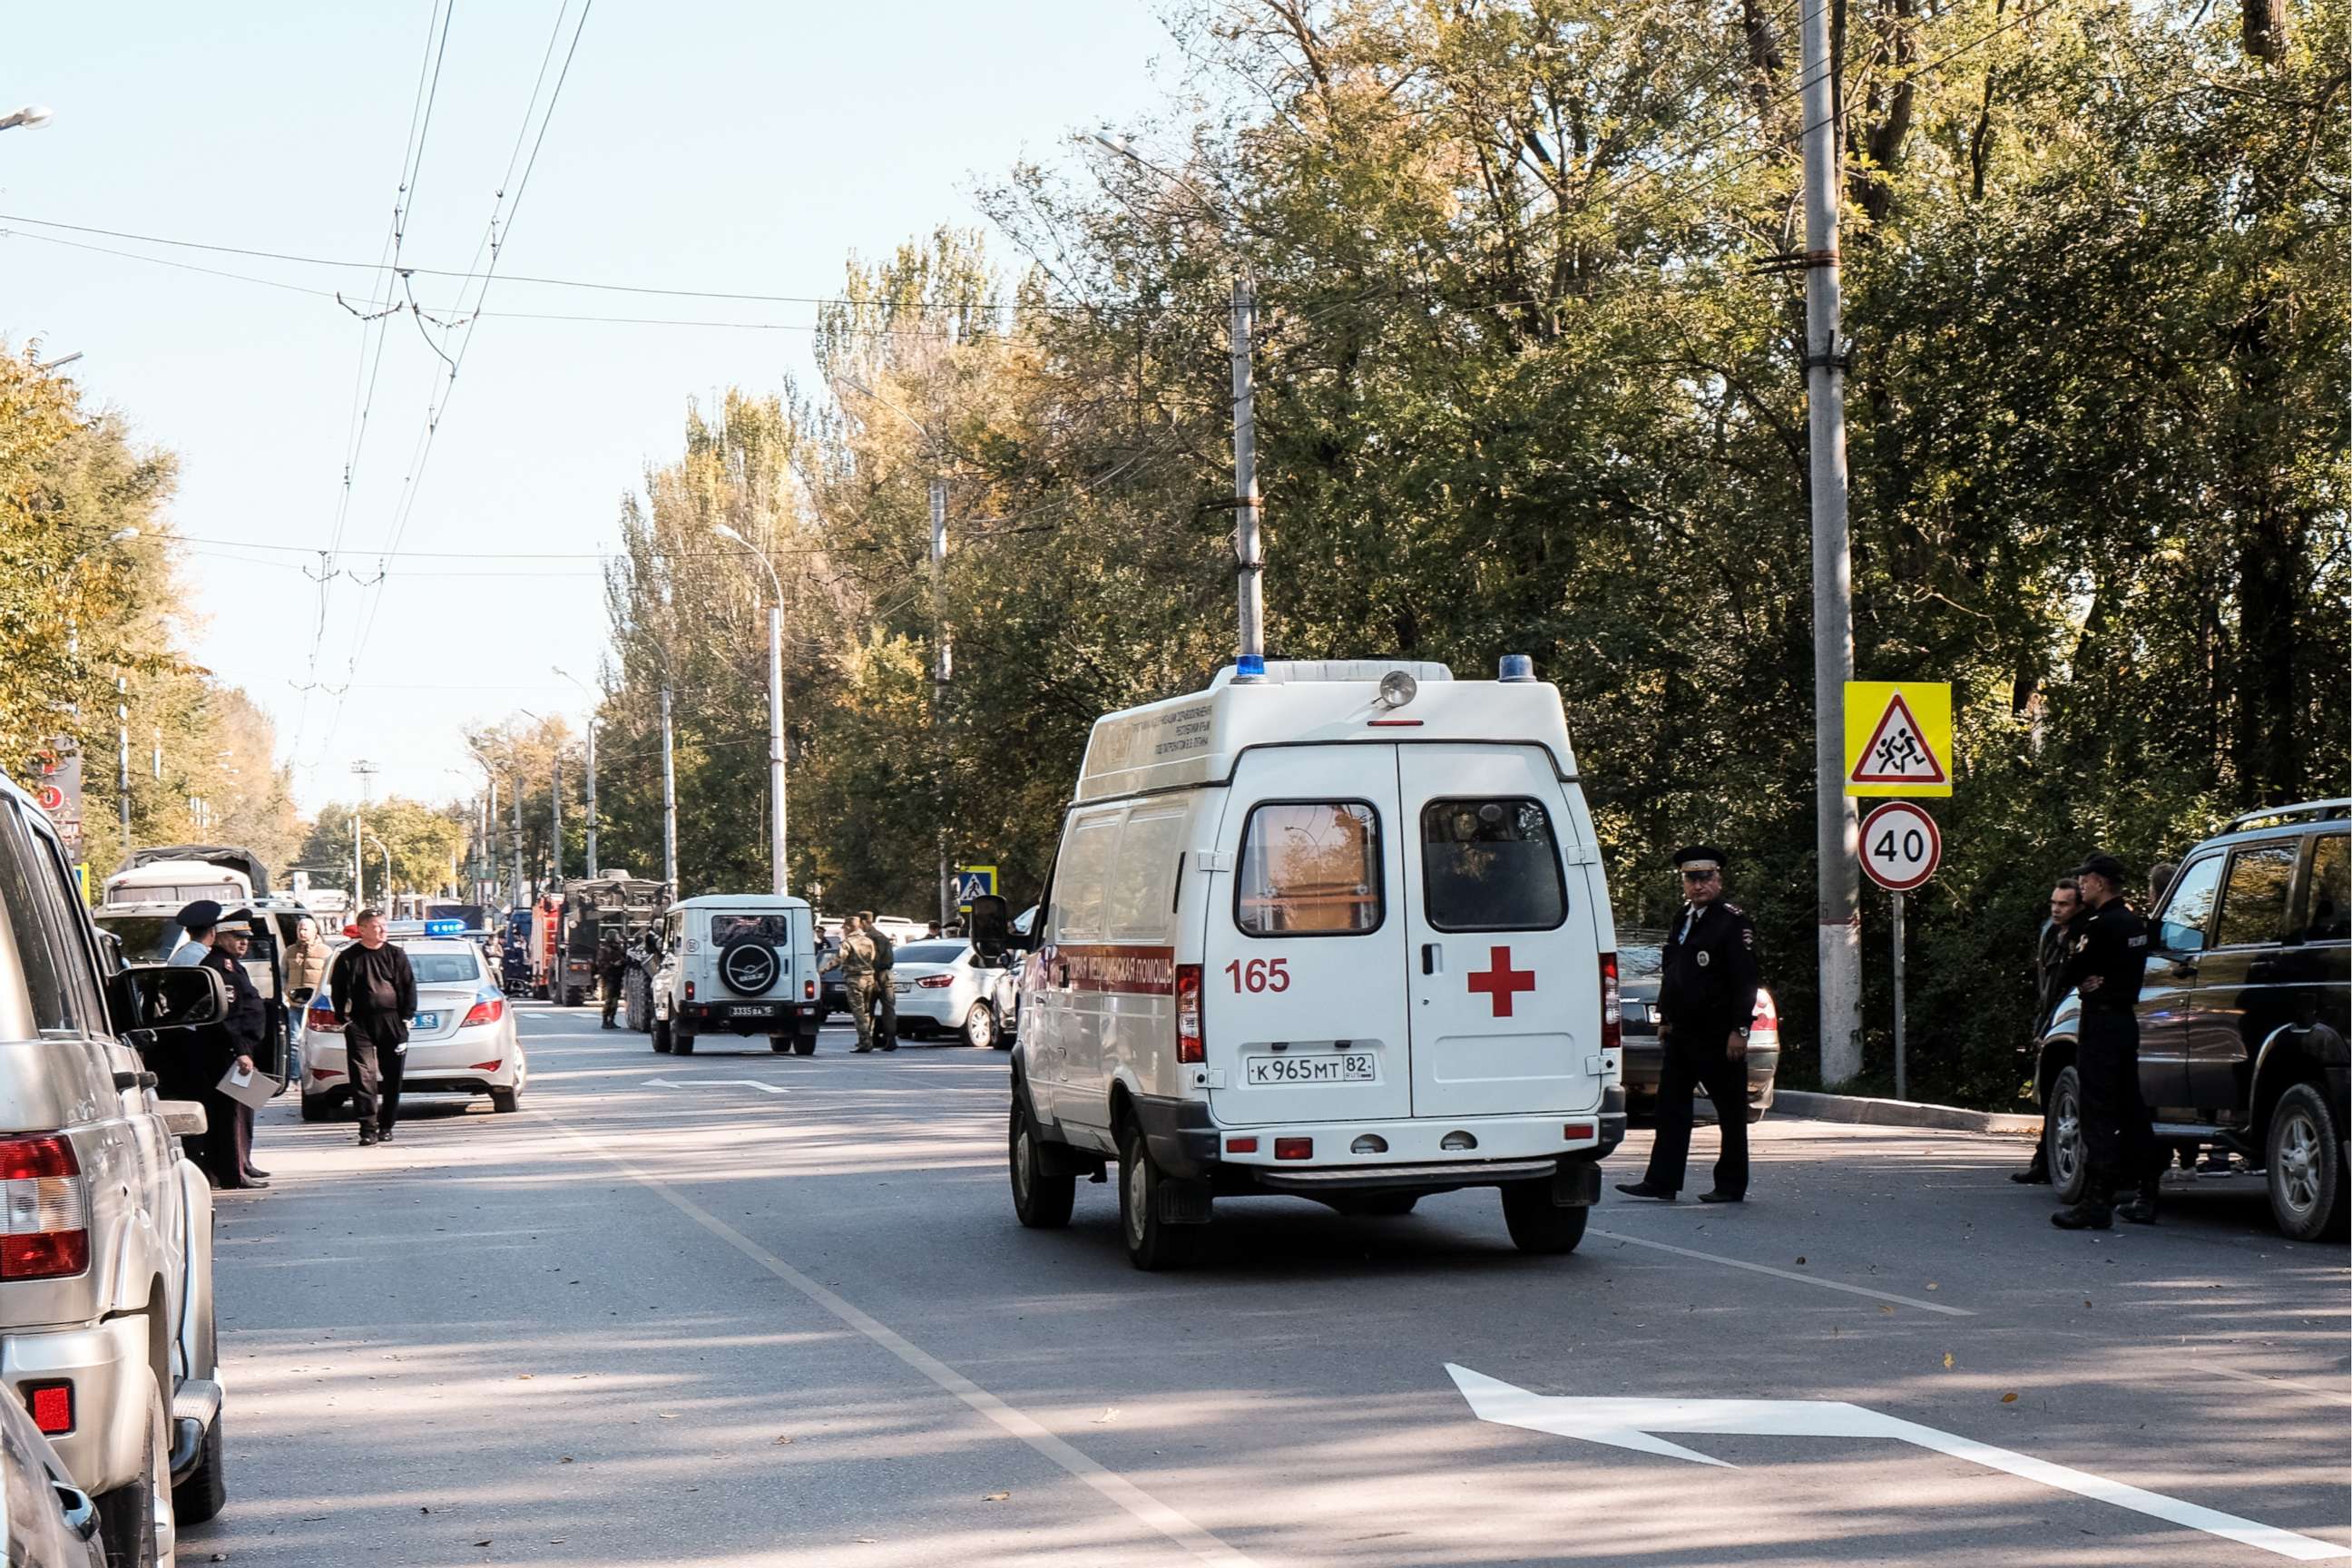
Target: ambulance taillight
point(1612, 1035)
point(1189, 1045)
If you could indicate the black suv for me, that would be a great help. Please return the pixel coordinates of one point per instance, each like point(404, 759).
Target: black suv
point(2243, 1016)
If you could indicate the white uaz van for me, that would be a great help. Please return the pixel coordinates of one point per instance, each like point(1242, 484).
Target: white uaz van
point(1333, 930)
point(737, 963)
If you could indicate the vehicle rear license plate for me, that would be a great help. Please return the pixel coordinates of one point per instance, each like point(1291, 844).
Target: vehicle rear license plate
point(1341, 1067)
point(426, 1021)
point(902, 988)
point(747, 1012)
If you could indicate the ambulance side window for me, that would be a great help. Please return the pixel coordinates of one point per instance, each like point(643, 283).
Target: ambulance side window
point(1139, 897)
point(1309, 868)
point(1490, 865)
point(1078, 880)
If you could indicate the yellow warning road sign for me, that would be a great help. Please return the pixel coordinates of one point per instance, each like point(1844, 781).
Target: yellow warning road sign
point(1898, 736)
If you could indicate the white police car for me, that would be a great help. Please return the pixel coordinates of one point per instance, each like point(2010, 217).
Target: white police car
point(461, 1040)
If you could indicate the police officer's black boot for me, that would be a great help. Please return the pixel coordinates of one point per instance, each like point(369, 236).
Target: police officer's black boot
point(2094, 1211)
point(2141, 1208)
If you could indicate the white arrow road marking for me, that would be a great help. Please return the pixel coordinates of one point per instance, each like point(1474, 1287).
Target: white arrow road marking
point(1631, 1422)
point(716, 1083)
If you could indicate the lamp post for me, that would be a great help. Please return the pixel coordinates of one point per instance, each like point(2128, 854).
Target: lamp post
point(584, 692)
point(777, 782)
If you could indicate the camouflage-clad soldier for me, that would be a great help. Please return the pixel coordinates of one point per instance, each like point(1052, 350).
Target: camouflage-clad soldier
point(855, 959)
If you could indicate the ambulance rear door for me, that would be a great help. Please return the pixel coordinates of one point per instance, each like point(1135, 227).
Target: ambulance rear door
point(1302, 982)
point(1504, 969)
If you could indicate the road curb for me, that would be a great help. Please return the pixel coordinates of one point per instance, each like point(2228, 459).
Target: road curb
point(1856, 1109)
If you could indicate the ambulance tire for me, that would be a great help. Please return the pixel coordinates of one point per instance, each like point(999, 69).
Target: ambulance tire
point(1153, 1244)
point(1040, 1201)
point(1537, 1223)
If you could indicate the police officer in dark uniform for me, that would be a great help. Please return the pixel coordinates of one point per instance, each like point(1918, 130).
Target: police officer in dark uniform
point(1706, 998)
point(225, 1151)
point(2105, 965)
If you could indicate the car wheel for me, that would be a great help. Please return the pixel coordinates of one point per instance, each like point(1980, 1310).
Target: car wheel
point(1039, 1200)
point(1537, 1223)
point(681, 1044)
point(2070, 1165)
point(135, 1521)
point(206, 1491)
point(506, 1101)
point(660, 1033)
point(2305, 1159)
point(1153, 1244)
point(779, 1044)
point(805, 1044)
point(980, 1026)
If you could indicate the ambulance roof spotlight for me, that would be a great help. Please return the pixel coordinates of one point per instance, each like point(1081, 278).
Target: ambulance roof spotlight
point(1516, 667)
point(1249, 666)
point(1397, 689)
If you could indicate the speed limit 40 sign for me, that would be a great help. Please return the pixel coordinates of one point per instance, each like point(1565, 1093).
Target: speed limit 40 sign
point(1900, 845)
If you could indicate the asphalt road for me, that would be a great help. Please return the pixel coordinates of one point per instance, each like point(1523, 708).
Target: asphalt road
point(712, 1325)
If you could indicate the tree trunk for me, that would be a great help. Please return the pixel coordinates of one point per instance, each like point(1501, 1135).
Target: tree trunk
point(2262, 26)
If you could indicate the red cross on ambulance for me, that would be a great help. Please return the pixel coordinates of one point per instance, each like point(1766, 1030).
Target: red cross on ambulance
point(1501, 982)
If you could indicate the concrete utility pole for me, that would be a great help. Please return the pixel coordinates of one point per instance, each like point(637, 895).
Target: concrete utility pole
point(366, 772)
point(670, 799)
point(779, 797)
point(521, 897)
point(1826, 361)
point(555, 816)
point(122, 757)
point(590, 696)
point(942, 671)
point(1249, 561)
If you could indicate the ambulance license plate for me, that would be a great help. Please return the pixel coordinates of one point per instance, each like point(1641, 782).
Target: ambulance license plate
point(1340, 1067)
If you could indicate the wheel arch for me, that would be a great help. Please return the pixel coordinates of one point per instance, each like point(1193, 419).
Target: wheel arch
point(2293, 1054)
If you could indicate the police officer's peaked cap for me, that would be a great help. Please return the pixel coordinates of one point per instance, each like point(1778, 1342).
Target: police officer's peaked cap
point(202, 915)
point(1701, 855)
point(2099, 863)
point(237, 922)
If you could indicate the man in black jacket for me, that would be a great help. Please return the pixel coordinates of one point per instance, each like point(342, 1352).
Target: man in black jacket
point(2106, 964)
point(1706, 999)
point(374, 992)
point(225, 1151)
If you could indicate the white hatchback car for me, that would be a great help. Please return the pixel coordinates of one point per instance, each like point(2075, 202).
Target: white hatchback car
point(461, 1041)
point(942, 988)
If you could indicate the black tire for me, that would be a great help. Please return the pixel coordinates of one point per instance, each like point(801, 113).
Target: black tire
point(1537, 1223)
point(2070, 1164)
point(805, 1044)
point(206, 1491)
point(1039, 1200)
point(681, 1044)
point(1377, 1206)
point(131, 1517)
point(506, 1101)
point(980, 1026)
point(1153, 1244)
point(779, 1044)
point(660, 1033)
point(318, 1107)
point(2304, 1154)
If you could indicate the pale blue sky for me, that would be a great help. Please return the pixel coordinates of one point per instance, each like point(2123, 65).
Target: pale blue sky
point(700, 144)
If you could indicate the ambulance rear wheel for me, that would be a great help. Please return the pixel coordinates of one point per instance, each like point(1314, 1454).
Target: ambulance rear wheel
point(1153, 1244)
point(1537, 1223)
point(1041, 1202)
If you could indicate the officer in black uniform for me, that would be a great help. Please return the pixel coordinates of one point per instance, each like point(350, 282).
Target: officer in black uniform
point(2104, 965)
point(1706, 998)
point(227, 1147)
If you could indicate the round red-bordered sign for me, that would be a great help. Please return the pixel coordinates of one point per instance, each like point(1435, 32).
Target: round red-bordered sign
point(51, 798)
point(1901, 846)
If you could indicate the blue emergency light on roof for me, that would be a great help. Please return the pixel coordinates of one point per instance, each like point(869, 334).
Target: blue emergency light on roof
point(1516, 667)
point(1249, 666)
point(444, 927)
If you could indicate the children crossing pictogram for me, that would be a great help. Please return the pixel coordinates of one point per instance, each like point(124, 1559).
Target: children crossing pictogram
point(1898, 737)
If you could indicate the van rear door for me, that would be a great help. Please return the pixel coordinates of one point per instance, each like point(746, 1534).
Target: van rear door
point(1302, 983)
point(1504, 968)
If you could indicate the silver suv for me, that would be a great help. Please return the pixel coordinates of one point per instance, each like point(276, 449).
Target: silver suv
point(107, 1333)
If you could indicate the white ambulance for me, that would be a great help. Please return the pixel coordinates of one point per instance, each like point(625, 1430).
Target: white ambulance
point(1333, 930)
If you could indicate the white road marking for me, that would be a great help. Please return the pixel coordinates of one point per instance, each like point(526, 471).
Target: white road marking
point(1631, 1422)
point(1814, 1281)
point(716, 1083)
point(2284, 1386)
point(1144, 1508)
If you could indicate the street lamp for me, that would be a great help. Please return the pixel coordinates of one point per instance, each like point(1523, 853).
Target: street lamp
point(590, 696)
point(776, 780)
point(32, 117)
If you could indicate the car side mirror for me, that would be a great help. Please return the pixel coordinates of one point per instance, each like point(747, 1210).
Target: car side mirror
point(163, 996)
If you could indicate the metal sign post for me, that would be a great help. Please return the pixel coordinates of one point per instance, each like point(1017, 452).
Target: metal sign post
point(1901, 848)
